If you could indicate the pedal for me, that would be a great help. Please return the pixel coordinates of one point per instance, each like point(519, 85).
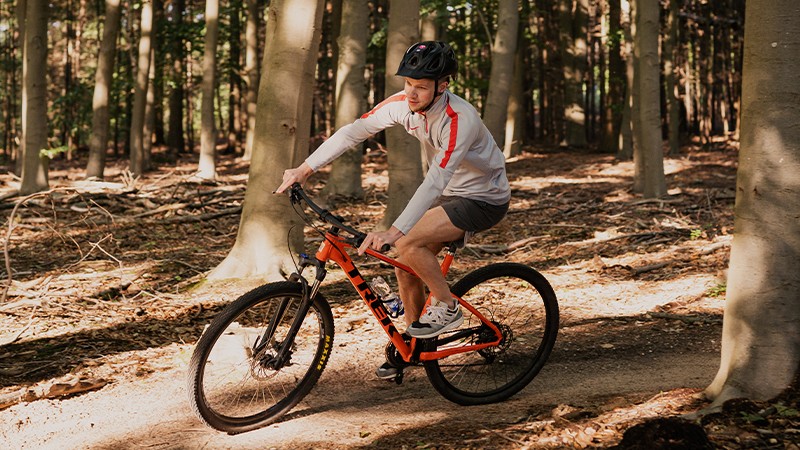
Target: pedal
point(398, 379)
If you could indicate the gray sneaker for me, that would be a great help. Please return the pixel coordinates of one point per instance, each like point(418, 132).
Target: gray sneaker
point(386, 371)
point(438, 318)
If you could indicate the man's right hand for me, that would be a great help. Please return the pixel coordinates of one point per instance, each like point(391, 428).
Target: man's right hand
point(291, 176)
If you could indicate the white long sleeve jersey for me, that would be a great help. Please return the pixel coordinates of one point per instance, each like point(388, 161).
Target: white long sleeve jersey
point(463, 158)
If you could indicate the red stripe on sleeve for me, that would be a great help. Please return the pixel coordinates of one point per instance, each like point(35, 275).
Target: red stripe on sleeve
point(453, 136)
point(394, 98)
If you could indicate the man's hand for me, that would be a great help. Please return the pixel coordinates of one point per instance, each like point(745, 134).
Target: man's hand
point(378, 239)
point(291, 176)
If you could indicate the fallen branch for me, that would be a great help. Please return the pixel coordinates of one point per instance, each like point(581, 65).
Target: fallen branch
point(203, 217)
point(499, 249)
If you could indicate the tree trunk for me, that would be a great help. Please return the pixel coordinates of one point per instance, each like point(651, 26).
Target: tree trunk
point(648, 157)
point(137, 161)
point(761, 326)
point(150, 111)
point(98, 143)
point(281, 141)
point(34, 98)
point(404, 154)
point(207, 167)
point(251, 69)
point(670, 78)
point(351, 94)
point(175, 138)
point(515, 123)
point(234, 80)
point(574, 21)
point(615, 97)
point(626, 125)
point(22, 11)
point(501, 78)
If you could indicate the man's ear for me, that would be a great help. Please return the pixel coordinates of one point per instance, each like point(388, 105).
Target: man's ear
point(442, 86)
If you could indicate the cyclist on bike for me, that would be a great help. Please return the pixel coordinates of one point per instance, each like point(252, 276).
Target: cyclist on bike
point(464, 191)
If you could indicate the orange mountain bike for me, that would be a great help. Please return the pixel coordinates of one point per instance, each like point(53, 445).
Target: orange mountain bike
point(265, 351)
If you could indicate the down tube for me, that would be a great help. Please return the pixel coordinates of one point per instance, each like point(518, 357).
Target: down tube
point(373, 302)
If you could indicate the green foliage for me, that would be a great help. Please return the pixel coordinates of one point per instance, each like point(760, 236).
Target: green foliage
point(51, 153)
point(717, 291)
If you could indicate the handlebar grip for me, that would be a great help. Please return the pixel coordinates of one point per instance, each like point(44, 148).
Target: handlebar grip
point(385, 248)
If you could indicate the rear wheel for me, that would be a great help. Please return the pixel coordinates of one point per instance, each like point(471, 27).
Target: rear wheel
point(239, 379)
point(521, 303)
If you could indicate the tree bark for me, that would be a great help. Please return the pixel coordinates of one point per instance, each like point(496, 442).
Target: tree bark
point(574, 18)
point(501, 78)
point(351, 93)
point(137, 160)
point(626, 126)
point(281, 141)
point(175, 135)
point(761, 325)
point(252, 72)
point(648, 157)
point(615, 97)
point(103, 79)
point(670, 78)
point(34, 98)
point(207, 167)
point(403, 150)
point(515, 124)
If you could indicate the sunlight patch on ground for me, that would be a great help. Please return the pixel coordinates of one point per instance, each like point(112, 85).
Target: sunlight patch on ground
point(613, 298)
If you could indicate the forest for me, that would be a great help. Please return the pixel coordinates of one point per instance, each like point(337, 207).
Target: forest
point(652, 150)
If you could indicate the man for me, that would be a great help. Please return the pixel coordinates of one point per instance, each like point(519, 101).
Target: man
point(464, 191)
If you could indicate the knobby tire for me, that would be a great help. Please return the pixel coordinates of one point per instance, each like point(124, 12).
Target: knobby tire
point(232, 386)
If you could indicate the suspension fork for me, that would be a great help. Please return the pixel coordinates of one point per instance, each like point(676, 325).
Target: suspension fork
point(309, 292)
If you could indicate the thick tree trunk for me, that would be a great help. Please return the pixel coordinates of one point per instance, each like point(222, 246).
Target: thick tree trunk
point(98, 143)
point(351, 94)
point(761, 326)
point(281, 141)
point(403, 150)
point(252, 72)
point(502, 75)
point(648, 157)
point(207, 167)
point(34, 98)
point(137, 160)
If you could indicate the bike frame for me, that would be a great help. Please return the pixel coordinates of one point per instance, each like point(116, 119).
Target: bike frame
point(334, 248)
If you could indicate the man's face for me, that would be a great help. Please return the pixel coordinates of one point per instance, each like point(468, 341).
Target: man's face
point(420, 93)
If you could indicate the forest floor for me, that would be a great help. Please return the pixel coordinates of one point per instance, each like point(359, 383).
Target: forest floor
point(103, 311)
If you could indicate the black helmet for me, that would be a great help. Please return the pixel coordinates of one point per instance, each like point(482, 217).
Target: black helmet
point(429, 59)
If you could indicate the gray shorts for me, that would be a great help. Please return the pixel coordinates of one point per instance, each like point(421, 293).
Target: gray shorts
point(472, 215)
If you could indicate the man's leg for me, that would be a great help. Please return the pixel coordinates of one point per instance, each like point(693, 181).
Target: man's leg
point(412, 289)
point(418, 250)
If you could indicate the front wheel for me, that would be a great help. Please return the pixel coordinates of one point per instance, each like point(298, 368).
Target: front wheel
point(245, 371)
point(521, 303)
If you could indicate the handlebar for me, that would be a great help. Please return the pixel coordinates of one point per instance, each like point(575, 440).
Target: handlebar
point(296, 193)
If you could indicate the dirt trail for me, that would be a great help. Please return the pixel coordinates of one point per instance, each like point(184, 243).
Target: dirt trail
point(349, 409)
